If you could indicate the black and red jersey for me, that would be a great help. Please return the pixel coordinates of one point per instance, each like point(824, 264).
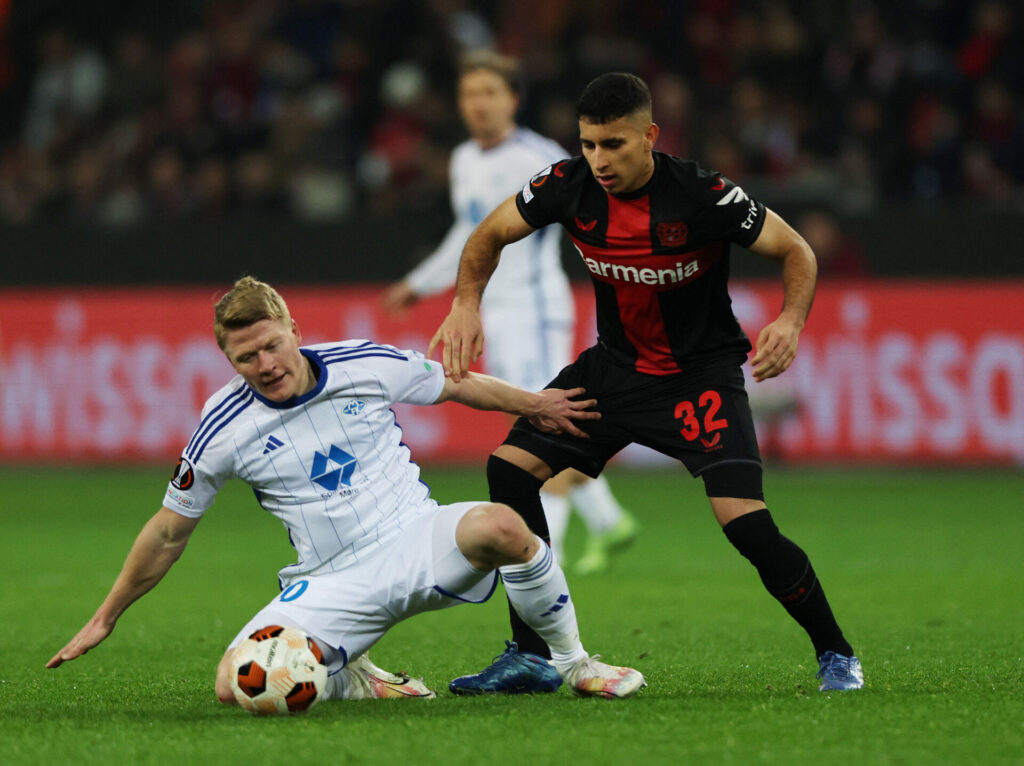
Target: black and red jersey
point(658, 257)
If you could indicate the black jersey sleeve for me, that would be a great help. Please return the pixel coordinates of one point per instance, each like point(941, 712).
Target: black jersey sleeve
point(538, 201)
point(727, 212)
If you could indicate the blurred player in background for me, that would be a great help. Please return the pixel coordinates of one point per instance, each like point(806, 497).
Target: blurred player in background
point(655, 232)
point(527, 310)
point(311, 430)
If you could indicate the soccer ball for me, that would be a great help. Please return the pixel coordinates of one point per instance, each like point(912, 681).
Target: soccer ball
point(277, 671)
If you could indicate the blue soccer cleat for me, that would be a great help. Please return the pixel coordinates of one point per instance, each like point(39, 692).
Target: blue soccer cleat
point(839, 673)
point(512, 672)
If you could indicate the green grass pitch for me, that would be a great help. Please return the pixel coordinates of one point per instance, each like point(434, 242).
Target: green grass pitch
point(923, 570)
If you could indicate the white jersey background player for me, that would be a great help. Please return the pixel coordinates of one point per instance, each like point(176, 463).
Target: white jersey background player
point(311, 430)
point(527, 309)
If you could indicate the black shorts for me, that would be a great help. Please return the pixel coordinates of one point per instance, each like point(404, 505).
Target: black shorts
point(700, 417)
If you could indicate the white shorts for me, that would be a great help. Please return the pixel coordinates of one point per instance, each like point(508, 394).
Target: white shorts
point(524, 349)
point(347, 612)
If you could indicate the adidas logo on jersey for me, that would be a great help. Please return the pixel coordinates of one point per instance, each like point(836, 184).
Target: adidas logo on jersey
point(272, 444)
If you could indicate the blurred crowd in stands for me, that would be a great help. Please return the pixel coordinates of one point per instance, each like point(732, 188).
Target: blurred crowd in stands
point(320, 110)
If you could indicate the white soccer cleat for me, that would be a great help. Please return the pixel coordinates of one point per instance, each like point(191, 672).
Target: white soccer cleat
point(591, 678)
point(371, 682)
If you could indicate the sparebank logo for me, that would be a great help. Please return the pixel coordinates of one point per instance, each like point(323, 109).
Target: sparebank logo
point(333, 469)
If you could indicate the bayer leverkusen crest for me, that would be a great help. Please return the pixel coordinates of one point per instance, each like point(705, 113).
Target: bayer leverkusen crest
point(672, 233)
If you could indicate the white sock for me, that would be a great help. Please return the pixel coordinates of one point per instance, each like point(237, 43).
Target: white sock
point(556, 511)
point(595, 503)
point(340, 685)
point(539, 593)
point(564, 661)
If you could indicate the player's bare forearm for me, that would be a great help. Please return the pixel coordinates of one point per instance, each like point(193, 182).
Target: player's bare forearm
point(485, 392)
point(159, 544)
point(157, 547)
point(777, 341)
point(479, 259)
point(799, 277)
point(482, 251)
point(552, 410)
point(460, 335)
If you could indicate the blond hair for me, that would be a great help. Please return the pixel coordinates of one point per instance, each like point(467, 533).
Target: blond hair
point(503, 66)
point(248, 302)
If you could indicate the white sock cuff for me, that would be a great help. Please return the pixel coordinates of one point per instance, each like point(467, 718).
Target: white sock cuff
point(338, 685)
point(564, 661)
point(533, 573)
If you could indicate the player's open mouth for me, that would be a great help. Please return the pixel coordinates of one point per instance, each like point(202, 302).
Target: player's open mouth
point(273, 383)
point(606, 180)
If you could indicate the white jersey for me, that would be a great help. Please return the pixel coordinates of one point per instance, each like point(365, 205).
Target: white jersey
point(329, 464)
point(529, 276)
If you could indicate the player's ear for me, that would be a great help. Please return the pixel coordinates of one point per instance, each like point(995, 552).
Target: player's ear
point(651, 136)
point(295, 331)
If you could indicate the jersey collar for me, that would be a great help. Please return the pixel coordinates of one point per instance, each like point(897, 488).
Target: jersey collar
point(320, 370)
point(644, 190)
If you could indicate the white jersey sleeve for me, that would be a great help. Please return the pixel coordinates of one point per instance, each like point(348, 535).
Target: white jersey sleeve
point(403, 375)
point(204, 465)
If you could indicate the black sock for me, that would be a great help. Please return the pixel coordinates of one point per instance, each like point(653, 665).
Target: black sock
point(788, 575)
point(511, 485)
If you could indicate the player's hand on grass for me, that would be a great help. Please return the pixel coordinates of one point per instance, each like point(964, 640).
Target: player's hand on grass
point(776, 349)
point(462, 337)
point(557, 410)
point(91, 635)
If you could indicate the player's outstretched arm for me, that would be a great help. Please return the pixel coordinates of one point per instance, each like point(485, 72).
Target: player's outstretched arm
point(552, 410)
point(157, 547)
point(461, 335)
point(777, 341)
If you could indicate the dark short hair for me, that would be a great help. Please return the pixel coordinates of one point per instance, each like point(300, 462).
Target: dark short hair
point(611, 96)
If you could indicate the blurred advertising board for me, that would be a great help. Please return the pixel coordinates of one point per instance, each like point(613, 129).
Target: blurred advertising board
point(921, 372)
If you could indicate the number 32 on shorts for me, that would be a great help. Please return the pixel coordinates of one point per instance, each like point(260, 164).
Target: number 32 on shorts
point(708, 405)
